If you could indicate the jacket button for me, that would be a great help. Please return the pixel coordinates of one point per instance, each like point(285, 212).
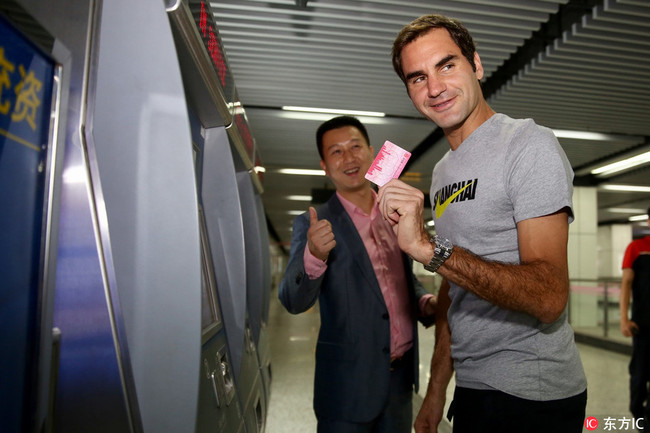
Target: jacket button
point(299, 277)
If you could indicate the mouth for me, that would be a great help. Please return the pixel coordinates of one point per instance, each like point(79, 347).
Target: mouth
point(440, 106)
point(351, 171)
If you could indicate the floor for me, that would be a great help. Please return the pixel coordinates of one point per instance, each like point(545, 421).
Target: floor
point(293, 339)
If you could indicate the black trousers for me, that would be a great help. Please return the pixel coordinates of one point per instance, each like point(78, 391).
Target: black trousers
point(640, 374)
point(487, 411)
point(396, 417)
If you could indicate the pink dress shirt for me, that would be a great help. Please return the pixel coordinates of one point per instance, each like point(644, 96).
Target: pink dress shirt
point(386, 258)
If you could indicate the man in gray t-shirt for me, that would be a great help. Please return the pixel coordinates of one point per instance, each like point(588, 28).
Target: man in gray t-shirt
point(501, 201)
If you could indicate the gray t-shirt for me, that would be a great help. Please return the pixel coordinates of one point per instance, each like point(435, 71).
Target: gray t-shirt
point(506, 171)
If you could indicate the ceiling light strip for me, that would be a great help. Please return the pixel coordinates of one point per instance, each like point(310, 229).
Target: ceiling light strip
point(624, 164)
point(638, 218)
point(625, 188)
point(334, 111)
point(301, 171)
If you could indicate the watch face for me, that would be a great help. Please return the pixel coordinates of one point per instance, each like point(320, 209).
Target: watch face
point(443, 243)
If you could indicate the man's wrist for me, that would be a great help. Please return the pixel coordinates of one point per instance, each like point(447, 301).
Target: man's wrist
point(424, 251)
point(442, 250)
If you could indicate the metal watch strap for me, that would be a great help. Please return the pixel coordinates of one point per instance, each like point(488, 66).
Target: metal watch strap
point(442, 249)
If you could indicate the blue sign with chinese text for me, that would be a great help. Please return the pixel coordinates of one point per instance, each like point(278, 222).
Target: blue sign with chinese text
point(26, 85)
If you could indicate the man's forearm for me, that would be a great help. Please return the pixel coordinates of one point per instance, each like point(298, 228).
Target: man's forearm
point(626, 293)
point(433, 406)
point(537, 288)
point(441, 364)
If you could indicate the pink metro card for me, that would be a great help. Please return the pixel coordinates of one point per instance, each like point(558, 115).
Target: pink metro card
point(388, 164)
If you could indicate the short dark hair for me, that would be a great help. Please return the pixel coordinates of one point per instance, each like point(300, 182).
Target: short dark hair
point(336, 123)
point(423, 25)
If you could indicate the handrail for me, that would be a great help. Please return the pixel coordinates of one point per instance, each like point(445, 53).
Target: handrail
point(603, 287)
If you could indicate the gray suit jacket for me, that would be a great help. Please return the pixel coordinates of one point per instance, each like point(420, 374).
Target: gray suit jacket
point(353, 350)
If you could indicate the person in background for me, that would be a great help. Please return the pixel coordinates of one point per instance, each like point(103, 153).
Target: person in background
point(636, 284)
point(502, 204)
point(346, 256)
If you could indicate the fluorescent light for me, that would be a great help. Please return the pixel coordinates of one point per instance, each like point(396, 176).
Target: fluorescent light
point(431, 223)
point(623, 210)
point(323, 117)
point(624, 164)
point(626, 188)
point(596, 136)
point(299, 197)
point(302, 171)
point(260, 169)
point(296, 212)
point(638, 218)
point(334, 111)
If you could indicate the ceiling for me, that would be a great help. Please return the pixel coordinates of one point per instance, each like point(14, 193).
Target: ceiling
point(579, 65)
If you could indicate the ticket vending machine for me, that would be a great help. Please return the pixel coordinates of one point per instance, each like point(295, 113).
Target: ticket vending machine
point(253, 392)
point(129, 312)
point(258, 286)
point(258, 263)
point(219, 407)
point(220, 154)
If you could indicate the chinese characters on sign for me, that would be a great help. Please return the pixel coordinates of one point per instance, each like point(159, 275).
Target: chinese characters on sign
point(26, 91)
point(26, 81)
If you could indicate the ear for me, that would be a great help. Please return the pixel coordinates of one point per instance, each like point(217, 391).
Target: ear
point(372, 151)
point(324, 167)
point(479, 66)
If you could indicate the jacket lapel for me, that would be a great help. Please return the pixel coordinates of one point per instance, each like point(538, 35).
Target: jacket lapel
point(348, 237)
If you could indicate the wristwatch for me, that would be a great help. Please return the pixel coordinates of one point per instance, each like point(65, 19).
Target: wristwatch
point(442, 249)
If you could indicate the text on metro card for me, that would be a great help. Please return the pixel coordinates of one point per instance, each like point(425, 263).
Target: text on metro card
point(388, 164)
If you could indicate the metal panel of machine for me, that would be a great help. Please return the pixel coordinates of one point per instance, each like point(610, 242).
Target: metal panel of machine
point(146, 196)
point(218, 406)
point(225, 231)
point(256, 293)
point(258, 279)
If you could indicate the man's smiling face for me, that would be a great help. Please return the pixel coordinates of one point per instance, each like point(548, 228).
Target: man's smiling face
point(346, 158)
point(441, 82)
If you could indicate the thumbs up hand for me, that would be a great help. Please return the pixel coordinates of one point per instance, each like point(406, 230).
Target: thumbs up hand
point(320, 238)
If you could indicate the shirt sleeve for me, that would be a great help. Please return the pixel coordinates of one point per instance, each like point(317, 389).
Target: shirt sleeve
point(629, 257)
point(314, 267)
point(539, 177)
point(423, 302)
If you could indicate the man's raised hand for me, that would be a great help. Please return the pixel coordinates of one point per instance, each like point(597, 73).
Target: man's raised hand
point(402, 205)
point(320, 238)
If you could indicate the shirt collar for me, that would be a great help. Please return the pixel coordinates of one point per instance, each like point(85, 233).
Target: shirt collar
point(352, 208)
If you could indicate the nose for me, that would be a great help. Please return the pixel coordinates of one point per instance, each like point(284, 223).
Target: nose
point(435, 87)
point(347, 155)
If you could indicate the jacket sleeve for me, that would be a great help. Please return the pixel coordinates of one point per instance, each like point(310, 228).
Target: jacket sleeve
point(418, 291)
point(297, 292)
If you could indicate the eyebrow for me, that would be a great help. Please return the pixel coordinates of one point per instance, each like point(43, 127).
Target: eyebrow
point(444, 60)
point(343, 143)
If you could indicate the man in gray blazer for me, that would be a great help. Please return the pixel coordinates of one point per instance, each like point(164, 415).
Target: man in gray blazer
point(345, 255)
